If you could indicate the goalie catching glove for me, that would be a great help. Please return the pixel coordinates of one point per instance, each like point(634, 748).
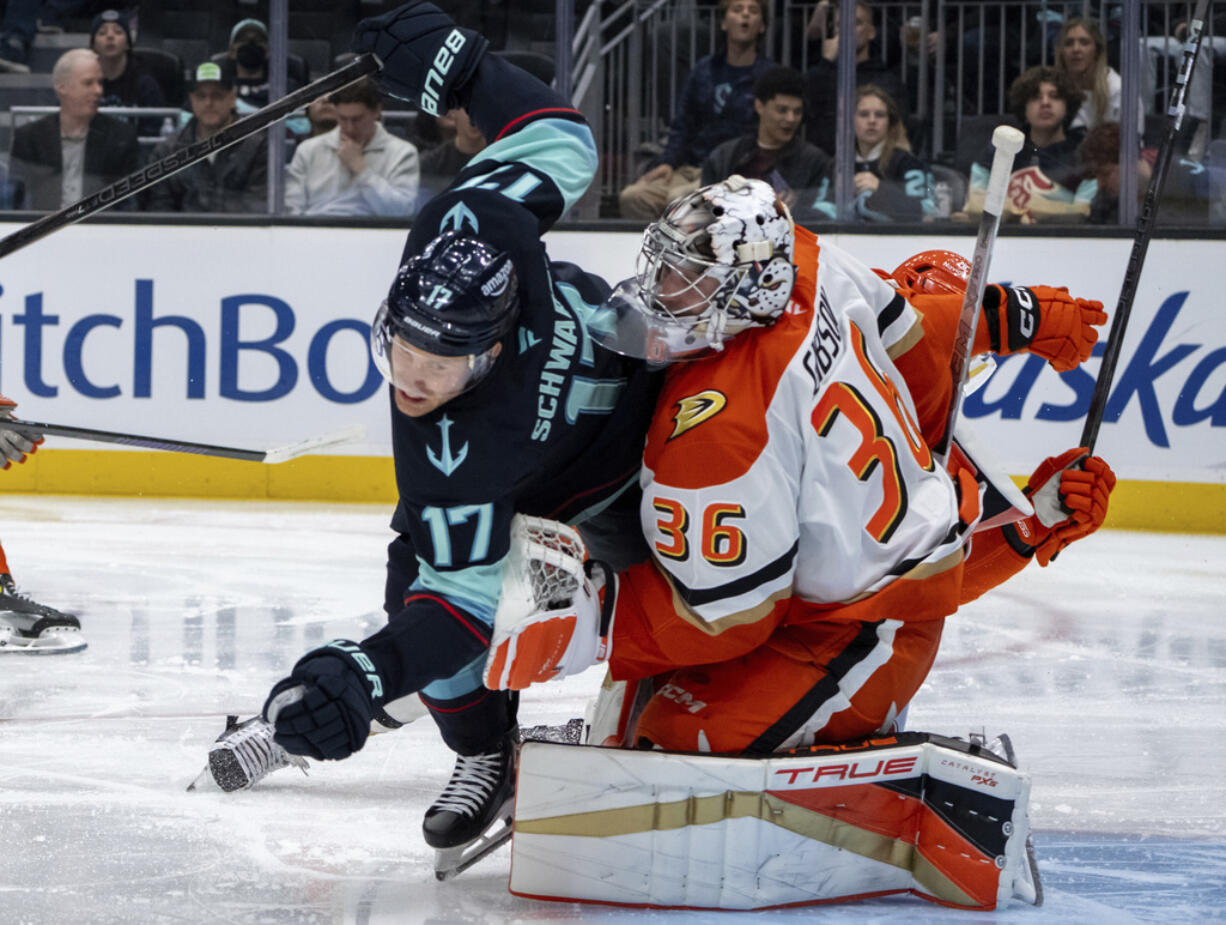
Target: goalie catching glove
point(323, 709)
point(14, 446)
point(555, 611)
point(1070, 502)
point(1043, 320)
point(426, 58)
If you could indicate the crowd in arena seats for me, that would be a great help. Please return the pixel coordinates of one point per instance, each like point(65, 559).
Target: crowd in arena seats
point(1046, 68)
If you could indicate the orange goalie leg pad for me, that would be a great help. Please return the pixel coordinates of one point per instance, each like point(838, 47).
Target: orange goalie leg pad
point(821, 682)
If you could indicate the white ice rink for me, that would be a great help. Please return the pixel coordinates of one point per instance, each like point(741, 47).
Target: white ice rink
point(1108, 669)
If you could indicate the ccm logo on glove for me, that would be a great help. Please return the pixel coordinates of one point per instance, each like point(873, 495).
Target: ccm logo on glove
point(438, 71)
point(1027, 310)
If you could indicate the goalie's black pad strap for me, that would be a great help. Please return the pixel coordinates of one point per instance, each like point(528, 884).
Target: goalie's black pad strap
point(977, 817)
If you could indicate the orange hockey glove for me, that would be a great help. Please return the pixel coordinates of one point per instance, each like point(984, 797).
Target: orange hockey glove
point(1069, 503)
point(1043, 320)
point(14, 446)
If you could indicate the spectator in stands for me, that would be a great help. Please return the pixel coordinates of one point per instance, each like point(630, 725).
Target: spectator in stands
point(1049, 181)
point(357, 168)
point(891, 183)
point(821, 82)
point(25, 18)
point(65, 156)
point(775, 152)
point(125, 82)
point(441, 163)
point(1081, 53)
point(1186, 195)
point(249, 51)
point(234, 179)
point(321, 113)
point(716, 104)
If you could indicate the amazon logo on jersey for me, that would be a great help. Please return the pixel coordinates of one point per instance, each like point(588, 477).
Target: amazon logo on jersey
point(697, 409)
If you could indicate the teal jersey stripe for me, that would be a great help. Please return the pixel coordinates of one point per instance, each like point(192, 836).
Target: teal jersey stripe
point(476, 588)
point(562, 150)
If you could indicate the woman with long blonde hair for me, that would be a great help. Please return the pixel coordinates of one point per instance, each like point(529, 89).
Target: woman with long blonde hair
point(1081, 53)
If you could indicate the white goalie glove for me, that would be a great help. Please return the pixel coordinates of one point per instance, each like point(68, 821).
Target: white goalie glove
point(555, 611)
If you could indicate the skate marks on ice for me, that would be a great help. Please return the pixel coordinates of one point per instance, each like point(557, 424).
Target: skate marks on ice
point(1107, 671)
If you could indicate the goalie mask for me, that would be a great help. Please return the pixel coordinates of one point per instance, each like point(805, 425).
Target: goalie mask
point(934, 271)
point(718, 262)
point(439, 329)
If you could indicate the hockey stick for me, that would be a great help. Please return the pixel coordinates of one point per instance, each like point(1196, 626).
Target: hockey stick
point(1007, 141)
point(185, 157)
point(1145, 226)
point(276, 455)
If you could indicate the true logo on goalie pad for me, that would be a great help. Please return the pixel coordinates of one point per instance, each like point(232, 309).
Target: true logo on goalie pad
point(706, 831)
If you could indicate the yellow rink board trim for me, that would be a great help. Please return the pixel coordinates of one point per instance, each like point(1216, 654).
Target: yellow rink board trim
point(1177, 507)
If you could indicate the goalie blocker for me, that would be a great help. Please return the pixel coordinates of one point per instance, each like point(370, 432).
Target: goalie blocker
point(912, 813)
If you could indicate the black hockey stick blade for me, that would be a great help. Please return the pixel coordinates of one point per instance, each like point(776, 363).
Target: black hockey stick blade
point(275, 455)
point(185, 157)
point(1146, 219)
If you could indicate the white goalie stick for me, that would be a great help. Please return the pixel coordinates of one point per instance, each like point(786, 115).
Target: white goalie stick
point(275, 455)
point(1007, 141)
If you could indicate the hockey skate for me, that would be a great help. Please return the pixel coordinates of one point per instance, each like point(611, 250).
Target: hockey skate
point(32, 628)
point(472, 816)
point(244, 754)
point(1029, 889)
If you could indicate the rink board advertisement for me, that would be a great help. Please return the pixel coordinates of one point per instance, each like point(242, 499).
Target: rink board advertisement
point(257, 337)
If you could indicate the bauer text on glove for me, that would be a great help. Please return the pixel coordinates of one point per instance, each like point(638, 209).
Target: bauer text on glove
point(323, 709)
point(426, 58)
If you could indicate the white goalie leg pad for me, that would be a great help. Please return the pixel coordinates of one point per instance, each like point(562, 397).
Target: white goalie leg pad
point(909, 813)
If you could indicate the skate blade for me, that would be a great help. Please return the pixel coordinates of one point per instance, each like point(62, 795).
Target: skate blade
point(204, 777)
point(56, 641)
point(451, 862)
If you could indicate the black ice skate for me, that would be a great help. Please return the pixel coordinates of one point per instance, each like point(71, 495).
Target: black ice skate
point(244, 754)
point(472, 816)
point(32, 628)
point(1031, 890)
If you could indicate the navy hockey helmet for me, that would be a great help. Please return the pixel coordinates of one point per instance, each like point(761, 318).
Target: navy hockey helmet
point(458, 298)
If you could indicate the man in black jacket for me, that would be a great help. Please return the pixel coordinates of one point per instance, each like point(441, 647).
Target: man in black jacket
point(65, 156)
point(799, 172)
point(235, 179)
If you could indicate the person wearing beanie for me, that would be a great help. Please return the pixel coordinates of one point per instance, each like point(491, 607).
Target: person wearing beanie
point(124, 81)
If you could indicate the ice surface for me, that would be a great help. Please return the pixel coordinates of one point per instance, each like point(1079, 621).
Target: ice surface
point(1108, 669)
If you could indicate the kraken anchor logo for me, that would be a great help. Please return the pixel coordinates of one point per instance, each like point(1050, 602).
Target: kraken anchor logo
point(447, 463)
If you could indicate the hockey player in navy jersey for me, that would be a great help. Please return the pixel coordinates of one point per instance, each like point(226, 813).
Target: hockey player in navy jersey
point(501, 404)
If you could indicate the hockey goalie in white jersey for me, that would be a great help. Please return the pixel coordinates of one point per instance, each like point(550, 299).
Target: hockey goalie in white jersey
point(807, 548)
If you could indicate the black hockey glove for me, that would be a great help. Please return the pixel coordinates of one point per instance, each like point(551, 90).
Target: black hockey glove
point(426, 57)
point(323, 709)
